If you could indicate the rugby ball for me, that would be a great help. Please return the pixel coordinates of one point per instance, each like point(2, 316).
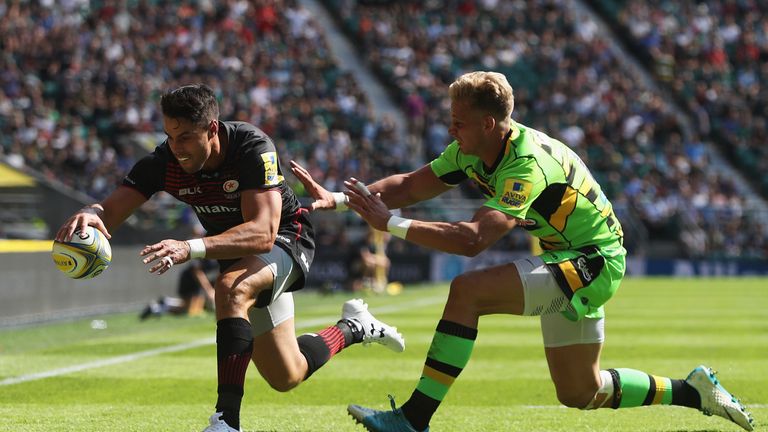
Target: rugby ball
point(85, 256)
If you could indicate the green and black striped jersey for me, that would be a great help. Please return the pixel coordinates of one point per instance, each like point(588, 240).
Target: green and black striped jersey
point(542, 183)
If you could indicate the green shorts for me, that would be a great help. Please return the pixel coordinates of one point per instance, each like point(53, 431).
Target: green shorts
point(588, 276)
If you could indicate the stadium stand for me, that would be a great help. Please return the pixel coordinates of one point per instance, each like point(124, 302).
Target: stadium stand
point(712, 56)
point(79, 109)
point(75, 110)
point(570, 83)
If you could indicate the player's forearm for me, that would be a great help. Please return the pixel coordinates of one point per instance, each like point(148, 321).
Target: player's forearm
point(242, 240)
point(458, 238)
point(118, 206)
point(395, 191)
point(111, 217)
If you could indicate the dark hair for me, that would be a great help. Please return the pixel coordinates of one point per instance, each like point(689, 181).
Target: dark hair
point(195, 103)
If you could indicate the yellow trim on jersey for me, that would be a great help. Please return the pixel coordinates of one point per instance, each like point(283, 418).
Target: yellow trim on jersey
point(569, 271)
point(438, 376)
point(607, 210)
point(586, 186)
point(567, 204)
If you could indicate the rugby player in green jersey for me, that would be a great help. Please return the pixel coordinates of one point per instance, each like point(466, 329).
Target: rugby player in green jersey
point(533, 181)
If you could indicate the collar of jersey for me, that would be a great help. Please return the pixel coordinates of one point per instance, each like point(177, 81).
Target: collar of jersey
point(511, 136)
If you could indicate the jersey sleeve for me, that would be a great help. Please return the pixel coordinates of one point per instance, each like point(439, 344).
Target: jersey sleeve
point(517, 186)
point(259, 165)
point(446, 166)
point(147, 175)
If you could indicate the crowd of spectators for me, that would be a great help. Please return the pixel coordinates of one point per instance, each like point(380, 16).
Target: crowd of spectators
point(80, 80)
point(713, 55)
point(569, 82)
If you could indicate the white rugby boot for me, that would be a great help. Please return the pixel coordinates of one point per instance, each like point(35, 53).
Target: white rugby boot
point(217, 424)
point(716, 400)
point(374, 331)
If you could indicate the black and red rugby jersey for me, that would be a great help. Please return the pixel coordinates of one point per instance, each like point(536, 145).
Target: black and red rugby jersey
point(251, 162)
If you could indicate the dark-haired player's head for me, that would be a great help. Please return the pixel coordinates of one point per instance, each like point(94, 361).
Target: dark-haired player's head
point(190, 120)
point(195, 103)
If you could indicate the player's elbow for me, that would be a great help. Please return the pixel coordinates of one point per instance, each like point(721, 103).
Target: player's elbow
point(473, 247)
point(472, 239)
point(262, 242)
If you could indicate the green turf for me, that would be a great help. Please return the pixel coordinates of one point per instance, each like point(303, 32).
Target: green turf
point(665, 327)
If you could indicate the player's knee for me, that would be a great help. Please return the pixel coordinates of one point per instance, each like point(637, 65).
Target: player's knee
point(233, 298)
point(577, 394)
point(576, 399)
point(461, 290)
point(283, 382)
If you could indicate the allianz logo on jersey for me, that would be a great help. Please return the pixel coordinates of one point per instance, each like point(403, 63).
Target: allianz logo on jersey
point(212, 209)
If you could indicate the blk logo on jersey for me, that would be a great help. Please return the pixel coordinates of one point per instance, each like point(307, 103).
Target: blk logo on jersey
point(230, 186)
point(515, 193)
point(190, 191)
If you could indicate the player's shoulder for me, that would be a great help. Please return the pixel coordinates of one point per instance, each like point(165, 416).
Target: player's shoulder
point(158, 157)
point(244, 132)
point(246, 138)
point(534, 144)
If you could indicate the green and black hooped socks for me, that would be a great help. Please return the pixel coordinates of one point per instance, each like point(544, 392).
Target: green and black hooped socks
point(448, 355)
point(633, 388)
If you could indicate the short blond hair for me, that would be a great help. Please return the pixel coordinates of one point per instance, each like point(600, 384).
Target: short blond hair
point(487, 91)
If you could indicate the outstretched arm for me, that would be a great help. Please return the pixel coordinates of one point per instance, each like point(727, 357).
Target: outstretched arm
point(462, 238)
point(261, 211)
point(402, 190)
point(397, 191)
point(324, 199)
point(104, 216)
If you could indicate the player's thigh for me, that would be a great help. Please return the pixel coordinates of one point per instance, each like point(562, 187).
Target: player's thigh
point(490, 290)
point(523, 287)
point(275, 351)
point(239, 285)
point(573, 354)
point(572, 347)
point(575, 372)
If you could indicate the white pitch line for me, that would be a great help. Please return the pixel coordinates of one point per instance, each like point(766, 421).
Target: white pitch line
point(106, 362)
point(748, 405)
point(194, 344)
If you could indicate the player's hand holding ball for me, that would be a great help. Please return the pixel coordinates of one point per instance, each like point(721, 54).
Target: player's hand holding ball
point(86, 255)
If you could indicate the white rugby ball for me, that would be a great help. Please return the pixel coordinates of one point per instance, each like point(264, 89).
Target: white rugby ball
point(85, 256)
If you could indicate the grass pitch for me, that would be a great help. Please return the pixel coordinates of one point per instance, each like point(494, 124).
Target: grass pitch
point(160, 375)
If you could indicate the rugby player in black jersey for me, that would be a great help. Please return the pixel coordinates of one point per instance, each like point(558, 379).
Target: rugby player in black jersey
point(230, 175)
